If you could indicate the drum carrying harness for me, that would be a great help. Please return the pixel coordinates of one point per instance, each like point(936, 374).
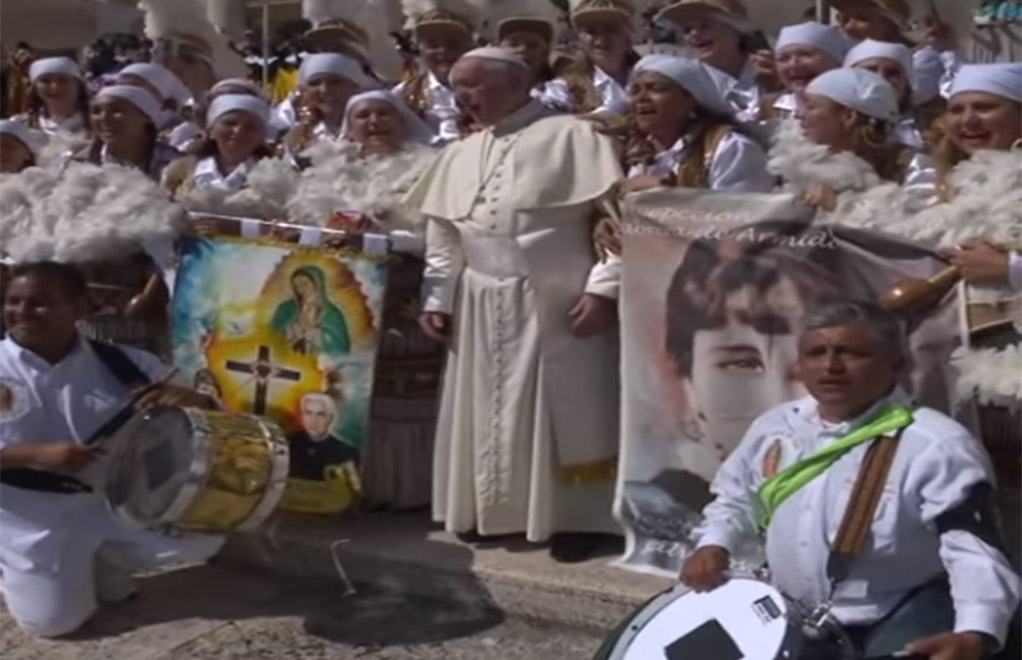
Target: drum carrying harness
point(131, 377)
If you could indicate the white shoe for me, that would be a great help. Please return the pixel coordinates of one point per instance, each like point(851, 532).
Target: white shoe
point(113, 583)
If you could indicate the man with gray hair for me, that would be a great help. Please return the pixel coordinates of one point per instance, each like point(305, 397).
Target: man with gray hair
point(527, 434)
point(315, 447)
point(930, 577)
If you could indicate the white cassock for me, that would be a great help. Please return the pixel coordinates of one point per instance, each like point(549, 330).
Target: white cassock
point(527, 435)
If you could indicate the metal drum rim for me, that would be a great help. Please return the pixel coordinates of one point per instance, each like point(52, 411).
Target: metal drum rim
point(280, 462)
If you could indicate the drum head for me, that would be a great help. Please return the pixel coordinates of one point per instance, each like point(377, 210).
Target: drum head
point(151, 464)
point(743, 620)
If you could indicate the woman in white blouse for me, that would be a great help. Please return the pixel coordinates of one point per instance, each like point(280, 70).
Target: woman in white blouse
point(236, 126)
point(844, 143)
point(58, 103)
point(688, 137)
point(327, 81)
point(801, 53)
point(531, 39)
point(595, 82)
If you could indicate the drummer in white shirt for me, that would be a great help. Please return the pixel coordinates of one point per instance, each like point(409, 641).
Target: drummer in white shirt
point(61, 551)
point(932, 578)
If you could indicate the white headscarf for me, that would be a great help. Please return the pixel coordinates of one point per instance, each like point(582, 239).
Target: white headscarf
point(335, 64)
point(227, 84)
point(826, 38)
point(23, 134)
point(859, 89)
point(163, 79)
point(62, 65)
point(1003, 79)
point(690, 75)
point(136, 96)
point(869, 49)
point(225, 103)
point(416, 129)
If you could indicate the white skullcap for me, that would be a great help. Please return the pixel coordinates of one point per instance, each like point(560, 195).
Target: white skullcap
point(1003, 79)
point(333, 64)
point(859, 89)
point(16, 130)
point(233, 85)
point(826, 38)
point(417, 130)
point(690, 75)
point(869, 49)
point(62, 65)
point(163, 79)
point(225, 103)
point(136, 96)
point(497, 54)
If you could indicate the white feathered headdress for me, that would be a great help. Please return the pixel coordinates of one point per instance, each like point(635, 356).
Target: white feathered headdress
point(176, 25)
point(364, 27)
point(268, 187)
point(341, 181)
point(86, 213)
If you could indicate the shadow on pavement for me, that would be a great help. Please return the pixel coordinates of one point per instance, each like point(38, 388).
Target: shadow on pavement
point(385, 613)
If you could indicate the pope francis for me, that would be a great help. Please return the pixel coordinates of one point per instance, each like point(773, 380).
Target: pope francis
point(527, 435)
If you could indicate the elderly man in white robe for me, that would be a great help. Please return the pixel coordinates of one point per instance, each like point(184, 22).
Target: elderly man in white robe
point(527, 434)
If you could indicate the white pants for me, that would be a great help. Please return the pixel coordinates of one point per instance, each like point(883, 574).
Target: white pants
point(55, 603)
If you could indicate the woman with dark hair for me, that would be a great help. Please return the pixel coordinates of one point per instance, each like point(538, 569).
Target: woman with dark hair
point(687, 137)
point(595, 82)
point(58, 102)
point(18, 147)
point(125, 120)
point(236, 127)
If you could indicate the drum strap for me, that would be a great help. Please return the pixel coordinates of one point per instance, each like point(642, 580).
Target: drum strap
point(862, 506)
point(131, 377)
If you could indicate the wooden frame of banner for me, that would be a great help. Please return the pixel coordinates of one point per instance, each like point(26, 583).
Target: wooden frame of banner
point(234, 226)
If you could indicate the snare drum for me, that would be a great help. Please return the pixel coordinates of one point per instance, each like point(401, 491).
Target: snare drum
point(744, 619)
point(195, 470)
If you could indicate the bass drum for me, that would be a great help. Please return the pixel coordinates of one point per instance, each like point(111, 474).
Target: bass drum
point(744, 619)
point(191, 470)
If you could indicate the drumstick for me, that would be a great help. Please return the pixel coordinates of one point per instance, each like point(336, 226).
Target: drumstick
point(125, 413)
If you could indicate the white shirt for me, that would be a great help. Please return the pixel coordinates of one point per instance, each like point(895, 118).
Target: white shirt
point(738, 164)
point(936, 463)
point(208, 175)
point(612, 93)
point(741, 94)
point(44, 403)
point(442, 110)
point(920, 183)
point(553, 96)
point(73, 126)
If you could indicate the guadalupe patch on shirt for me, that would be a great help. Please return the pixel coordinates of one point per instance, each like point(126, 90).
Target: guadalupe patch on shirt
point(772, 459)
point(13, 399)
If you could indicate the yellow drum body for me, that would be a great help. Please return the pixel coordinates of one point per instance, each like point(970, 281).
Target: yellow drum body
point(196, 470)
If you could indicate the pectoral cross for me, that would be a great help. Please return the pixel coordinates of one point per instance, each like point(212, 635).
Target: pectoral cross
point(264, 371)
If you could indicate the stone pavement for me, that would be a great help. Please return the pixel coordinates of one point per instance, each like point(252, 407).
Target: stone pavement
point(223, 613)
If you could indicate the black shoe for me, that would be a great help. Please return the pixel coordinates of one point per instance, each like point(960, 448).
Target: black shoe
point(573, 548)
point(470, 537)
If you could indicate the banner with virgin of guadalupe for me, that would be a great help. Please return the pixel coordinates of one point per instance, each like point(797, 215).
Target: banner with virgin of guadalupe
point(290, 333)
point(714, 291)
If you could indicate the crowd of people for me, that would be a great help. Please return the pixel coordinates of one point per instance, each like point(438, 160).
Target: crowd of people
point(497, 173)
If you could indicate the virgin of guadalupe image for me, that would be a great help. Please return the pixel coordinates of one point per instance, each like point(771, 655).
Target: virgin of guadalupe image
point(309, 322)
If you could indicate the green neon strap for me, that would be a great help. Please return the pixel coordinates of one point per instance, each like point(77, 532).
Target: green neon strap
point(785, 483)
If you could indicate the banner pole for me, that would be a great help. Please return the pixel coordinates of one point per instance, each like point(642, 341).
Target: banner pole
point(823, 11)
